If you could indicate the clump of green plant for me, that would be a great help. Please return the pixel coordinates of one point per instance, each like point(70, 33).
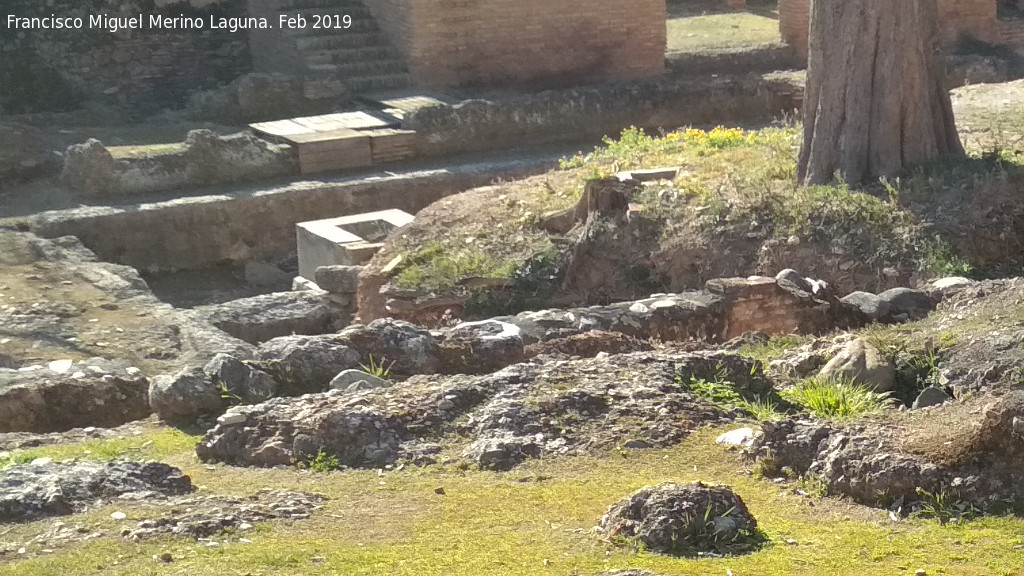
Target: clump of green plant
point(764, 351)
point(762, 410)
point(436, 267)
point(726, 394)
point(380, 370)
point(323, 463)
point(944, 507)
point(8, 459)
point(836, 398)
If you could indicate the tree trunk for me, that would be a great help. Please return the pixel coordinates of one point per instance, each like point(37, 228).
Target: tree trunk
point(876, 99)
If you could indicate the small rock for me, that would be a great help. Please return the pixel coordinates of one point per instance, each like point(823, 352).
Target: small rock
point(930, 396)
point(738, 437)
point(353, 380)
point(862, 363)
point(440, 491)
point(164, 558)
point(231, 419)
point(118, 516)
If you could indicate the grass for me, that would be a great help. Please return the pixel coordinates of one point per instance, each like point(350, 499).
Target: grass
point(693, 32)
point(536, 520)
point(153, 444)
point(836, 399)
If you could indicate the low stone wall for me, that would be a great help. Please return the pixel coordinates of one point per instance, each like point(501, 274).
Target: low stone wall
point(204, 159)
point(596, 111)
point(142, 70)
point(194, 232)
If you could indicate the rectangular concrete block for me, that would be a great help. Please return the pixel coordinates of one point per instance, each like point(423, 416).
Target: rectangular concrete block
point(345, 241)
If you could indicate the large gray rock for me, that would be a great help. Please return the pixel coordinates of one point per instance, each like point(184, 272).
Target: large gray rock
point(269, 316)
point(338, 279)
point(914, 303)
point(64, 395)
point(240, 380)
point(306, 364)
point(481, 347)
point(282, 431)
point(862, 363)
point(794, 280)
point(412, 349)
point(684, 519)
point(949, 286)
point(186, 396)
point(930, 396)
point(871, 307)
point(32, 491)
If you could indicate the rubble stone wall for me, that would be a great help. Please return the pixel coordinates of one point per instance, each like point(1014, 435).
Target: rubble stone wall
point(148, 70)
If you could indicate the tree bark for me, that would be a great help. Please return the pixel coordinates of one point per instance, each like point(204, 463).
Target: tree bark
point(876, 98)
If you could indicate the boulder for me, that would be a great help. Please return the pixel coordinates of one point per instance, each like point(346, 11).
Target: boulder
point(269, 316)
point(862, 363)
point(354, 380)
point(872, 308)
point(503, 452)
point(186, 395)
point(305, 364)
point(240, 380)
point(949, 286)
point(259, 274)
point(68, 395)
point(684, 519)
point(412, 349)
point(793, 279)
point(915, 304)
point(481, 347)
point(930, 396)
point(338, 279)
point(43, 488)
point(286, 430)
point(90, 169)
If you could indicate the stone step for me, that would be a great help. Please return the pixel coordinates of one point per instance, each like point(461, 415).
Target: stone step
point(345, 55)
point(337, 41)
point(381, 82)
point(355, 70)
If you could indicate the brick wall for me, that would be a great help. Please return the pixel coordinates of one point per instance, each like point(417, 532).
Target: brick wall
point(957, 18)
point(526, 42)
point(762, 305)
point(1010, 33)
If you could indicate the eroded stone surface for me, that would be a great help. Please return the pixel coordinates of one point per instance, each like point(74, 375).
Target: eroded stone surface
point(524, 410)
point(32, 491)
point(683, 519)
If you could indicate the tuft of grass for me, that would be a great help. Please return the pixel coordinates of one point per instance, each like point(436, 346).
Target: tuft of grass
point(836, 399)
point(762, 410)
point(945, 507)
point(323, 463)
point(373, 368)
point(772, 348)
point(436, 267)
